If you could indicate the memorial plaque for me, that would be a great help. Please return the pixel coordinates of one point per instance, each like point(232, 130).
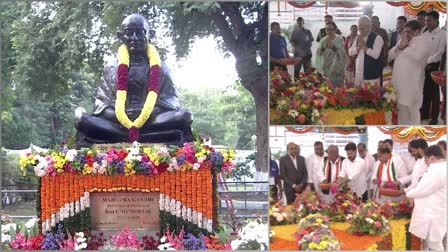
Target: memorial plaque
point(116, 210)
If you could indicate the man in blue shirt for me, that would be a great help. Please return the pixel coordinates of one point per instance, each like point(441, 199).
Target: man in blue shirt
point(277, 48)
point(302, 39)
point(274, 181)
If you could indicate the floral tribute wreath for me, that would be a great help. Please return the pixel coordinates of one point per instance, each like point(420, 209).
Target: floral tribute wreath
point(122, 88)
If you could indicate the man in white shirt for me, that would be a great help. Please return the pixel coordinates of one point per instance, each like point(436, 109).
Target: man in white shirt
point(429, 216)
point(388, 143)
point(436, 39)
point(370, 162)
point(389, 168)
point(367, 49)
point(354, 171)
point(417, 150)
point(313, 164)
point(330, 170)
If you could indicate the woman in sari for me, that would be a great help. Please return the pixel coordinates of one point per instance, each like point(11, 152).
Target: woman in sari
point(331, 56)
point(350, 67)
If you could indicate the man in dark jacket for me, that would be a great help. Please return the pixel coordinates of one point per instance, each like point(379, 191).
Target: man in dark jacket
point(293, 172)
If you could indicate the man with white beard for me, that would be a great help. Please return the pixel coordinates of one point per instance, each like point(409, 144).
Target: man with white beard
point(429, 219)
point(354, 171)
point(370, 162)
point(367, 49)
point(314, 162)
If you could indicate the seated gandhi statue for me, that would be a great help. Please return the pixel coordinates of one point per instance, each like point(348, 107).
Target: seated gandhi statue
point(136, 100)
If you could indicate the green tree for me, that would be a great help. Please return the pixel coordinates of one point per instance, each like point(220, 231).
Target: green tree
point(47, 42)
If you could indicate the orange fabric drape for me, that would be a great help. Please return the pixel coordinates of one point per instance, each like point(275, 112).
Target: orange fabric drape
point(302, 5)
point(345, 130)
point(391, 130)
point(421, 132)
point(301, 130)
point(413, 8)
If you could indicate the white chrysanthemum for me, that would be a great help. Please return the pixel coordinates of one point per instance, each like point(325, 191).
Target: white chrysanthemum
point(71, 154)
point(196, 166)
point(293, 113)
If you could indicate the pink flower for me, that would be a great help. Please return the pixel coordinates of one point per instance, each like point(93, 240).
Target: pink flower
point(377, 224)
point(301, 118)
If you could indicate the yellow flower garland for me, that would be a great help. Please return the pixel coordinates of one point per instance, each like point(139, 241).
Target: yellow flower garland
point(120, 110)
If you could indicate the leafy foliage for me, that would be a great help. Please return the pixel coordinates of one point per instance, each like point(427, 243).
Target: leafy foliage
point(53, 54)
point(243, 169)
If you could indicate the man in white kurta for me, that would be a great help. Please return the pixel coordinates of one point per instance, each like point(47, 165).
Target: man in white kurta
point(429, 221)
point(313, 163)
point(330, 170)
point(360, 49)
point(416, 151)
point(388, 168)
point(354, 171)
point(370, 162)
point(408, 77)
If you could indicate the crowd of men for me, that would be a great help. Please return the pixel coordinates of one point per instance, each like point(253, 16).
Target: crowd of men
point(420, 175)
point(414, 50)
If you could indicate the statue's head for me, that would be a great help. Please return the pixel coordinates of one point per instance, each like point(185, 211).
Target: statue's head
point(135, 33)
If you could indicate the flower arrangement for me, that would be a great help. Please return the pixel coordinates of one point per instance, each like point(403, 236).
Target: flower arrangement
point(307, 203)
point(397, 210)
point(150, 161)
point(68, 177)
point(345, 203)
point(213, 242)
point(304, 101)
point(280, 214)
point(298, 103)
point(123, 240)
point(126, 240)
point(312, 222)
point(368, 220)
point(254, 235)
point(319, 239)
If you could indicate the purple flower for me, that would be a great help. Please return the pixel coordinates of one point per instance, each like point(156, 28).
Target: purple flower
point(180, 159)
point(190, 242)
point(216, 157)
point(63, 149)
point(120, 165)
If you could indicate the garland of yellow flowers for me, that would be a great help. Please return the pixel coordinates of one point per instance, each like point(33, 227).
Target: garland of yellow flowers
point(122, 87)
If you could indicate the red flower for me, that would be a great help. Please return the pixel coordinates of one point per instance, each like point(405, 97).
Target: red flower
point(154, 80)
point(122, 75)
point(276, 83)
point(134, 133)
point(122, 154)
point(287, 92)
point(90, 159)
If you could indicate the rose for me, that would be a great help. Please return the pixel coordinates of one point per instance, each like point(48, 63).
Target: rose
point(377, 224)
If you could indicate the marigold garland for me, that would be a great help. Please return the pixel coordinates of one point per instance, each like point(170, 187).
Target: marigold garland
point(122, 87)
point(64, 189)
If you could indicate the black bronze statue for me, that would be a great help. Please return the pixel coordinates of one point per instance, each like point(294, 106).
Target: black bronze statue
point(168, 123)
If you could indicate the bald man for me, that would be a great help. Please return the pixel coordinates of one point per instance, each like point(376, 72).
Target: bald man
point(331, 167)
point(367, 49)
point(293, 172)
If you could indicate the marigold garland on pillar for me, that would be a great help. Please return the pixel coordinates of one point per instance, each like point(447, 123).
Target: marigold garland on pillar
point(185, 178)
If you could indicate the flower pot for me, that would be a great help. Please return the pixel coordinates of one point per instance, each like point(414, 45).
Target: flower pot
point(390, 192)
point(439, 77)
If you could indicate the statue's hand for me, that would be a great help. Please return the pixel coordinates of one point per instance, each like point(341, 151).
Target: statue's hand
point(147, 109)
point(78, 112)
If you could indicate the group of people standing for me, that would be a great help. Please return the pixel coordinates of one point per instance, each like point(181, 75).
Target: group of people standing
point(420, 175)
point(414, 50)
